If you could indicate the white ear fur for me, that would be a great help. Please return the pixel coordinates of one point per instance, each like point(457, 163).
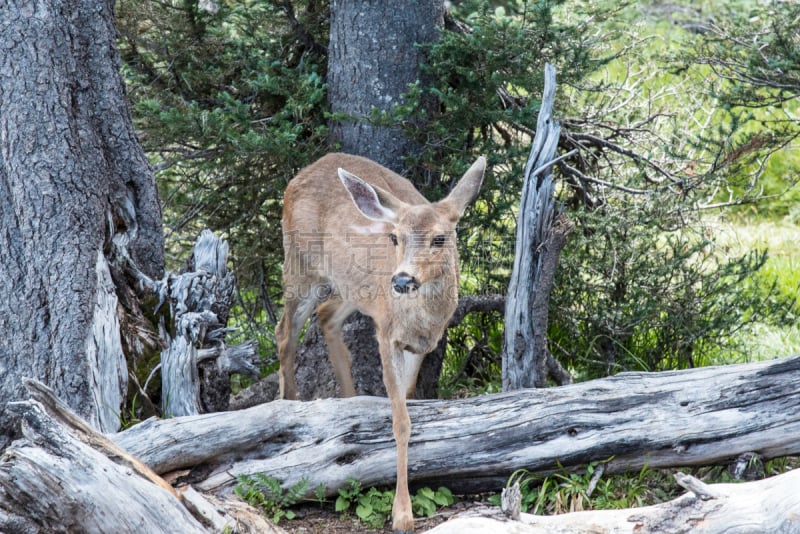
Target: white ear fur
point(366, 198)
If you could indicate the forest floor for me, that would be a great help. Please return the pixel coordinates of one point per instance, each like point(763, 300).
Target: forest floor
point(316, 519)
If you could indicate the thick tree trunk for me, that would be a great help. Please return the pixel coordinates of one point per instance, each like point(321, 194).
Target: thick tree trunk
point(541, 234)
point(373, 58)
point(76, 196)
point(693, 417)
point(769, 505)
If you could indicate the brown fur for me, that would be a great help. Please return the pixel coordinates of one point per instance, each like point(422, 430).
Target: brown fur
point(339, 257)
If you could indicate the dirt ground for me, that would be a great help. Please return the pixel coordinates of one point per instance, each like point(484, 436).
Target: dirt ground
point(313, 519)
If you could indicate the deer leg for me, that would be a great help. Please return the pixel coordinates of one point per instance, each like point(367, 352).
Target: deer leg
point(332, 315)
point(296, 311)
point(392, 361)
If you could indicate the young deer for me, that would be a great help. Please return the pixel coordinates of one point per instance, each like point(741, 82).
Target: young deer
point(372, 244)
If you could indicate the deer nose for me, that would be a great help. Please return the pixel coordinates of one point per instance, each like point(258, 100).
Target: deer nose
point(404, 282)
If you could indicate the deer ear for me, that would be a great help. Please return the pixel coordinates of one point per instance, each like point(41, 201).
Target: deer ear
point(373, 202)
point(467, 188)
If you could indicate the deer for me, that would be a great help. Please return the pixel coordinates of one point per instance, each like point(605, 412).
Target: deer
point(358, 236)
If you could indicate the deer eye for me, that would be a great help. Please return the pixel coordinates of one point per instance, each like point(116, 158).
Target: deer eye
point(393, 237)
point(438, 241)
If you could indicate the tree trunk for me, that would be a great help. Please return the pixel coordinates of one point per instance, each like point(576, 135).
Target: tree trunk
point(372, 59)
point(541, 235)
point(76, 196)
point(768, 505)
point(693, 417)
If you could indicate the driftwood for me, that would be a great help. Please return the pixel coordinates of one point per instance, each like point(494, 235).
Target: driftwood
point(769, 505)
point(541, 234)
point(694, 417)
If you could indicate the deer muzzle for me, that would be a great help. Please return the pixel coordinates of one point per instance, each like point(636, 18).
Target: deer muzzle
point(403, 283)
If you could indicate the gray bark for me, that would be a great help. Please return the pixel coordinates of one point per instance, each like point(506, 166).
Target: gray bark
point(541, 235)
point(694, 417)
point(196, 364)
point(76, 196)
point(372, 60)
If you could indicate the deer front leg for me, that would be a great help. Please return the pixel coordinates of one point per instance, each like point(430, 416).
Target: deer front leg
point(393, 364)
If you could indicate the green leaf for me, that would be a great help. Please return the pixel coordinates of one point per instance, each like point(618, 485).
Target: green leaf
point(342, 504)
point(363, 511)
point(427, 493)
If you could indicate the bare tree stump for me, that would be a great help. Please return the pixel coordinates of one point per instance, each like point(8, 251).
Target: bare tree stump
point(541, 235)
point(196, 364)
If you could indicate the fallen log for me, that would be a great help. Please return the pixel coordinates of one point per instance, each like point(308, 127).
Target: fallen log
point(769, 505)
point(61, 475)
point(679, 418)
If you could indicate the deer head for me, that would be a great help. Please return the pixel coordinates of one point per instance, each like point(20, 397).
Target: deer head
point(424, 235)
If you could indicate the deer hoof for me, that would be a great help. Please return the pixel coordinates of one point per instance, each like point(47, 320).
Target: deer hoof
point(403, 531)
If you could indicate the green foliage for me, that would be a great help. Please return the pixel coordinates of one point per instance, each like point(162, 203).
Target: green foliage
point(373, 506)
point(654, 300)
point(266, 492)
point(425, 502)
point(229, 107)
point(564, 492)
point(755, 50)
point(472, 364)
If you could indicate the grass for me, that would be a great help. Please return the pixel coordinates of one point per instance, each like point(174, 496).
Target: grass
point(780, 238)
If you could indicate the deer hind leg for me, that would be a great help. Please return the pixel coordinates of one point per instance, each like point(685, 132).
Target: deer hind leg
point(392, 360)
point(332, 315)
point(298, 307)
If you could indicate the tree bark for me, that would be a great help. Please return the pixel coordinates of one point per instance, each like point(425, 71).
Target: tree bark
point(693, 417)
point(373, 57)
point(541, 234)
point(768, 505)
point(76, 196)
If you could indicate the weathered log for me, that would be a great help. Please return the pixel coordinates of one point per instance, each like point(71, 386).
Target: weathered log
point(541, 234)
point(54, 480)
point(692, 417)
point(769, 505)
point(61, 475)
